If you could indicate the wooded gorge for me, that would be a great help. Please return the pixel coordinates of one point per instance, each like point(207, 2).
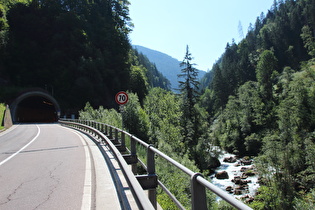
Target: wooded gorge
point(258, 100)
point(79, 50)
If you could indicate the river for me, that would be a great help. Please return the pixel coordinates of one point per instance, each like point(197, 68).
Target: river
point(249, 184)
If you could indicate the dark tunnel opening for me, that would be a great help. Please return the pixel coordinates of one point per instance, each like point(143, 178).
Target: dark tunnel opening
point(36, 109)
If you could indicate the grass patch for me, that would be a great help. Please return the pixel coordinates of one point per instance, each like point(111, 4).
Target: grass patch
point(2, 109)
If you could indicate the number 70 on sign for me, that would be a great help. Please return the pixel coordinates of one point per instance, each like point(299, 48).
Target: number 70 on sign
point(121, 98)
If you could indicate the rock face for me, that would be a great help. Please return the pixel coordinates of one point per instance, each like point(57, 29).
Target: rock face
point(222, 175)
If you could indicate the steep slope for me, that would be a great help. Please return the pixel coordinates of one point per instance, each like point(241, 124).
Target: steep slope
point(167, 65)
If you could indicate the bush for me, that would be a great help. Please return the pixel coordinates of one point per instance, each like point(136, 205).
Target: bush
point(2, 110)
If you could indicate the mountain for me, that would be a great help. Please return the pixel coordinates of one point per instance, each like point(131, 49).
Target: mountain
point(167, 65)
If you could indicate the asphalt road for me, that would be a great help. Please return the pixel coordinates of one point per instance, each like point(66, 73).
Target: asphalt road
point(44, 166)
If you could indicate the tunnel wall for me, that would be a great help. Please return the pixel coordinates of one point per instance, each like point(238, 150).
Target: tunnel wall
point(18, 100)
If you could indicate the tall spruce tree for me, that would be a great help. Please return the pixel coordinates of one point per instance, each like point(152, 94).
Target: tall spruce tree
point(188, 88)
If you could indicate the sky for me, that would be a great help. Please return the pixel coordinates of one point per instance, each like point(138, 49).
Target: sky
point(206, 26)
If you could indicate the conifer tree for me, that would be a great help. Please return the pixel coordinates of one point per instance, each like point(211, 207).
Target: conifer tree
point(188, 88)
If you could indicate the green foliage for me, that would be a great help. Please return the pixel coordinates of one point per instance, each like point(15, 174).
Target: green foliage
point(285, 163)
point(138, 82)
point(3, 27)
point(2, 110)
point(79, 49)
point(163, 109)
point(235, 128)
point(266, 199)
point(280, 129)
point(306, 202)
point(189, 96)
point(155, 78)
point(108, 116)
point(266, 65)
point(223, 205)
point(158, 123)
point(177, 182)
point(135, 119)
point(273, 117)
point(309, 40)
point(281, 31)
point(70, 46)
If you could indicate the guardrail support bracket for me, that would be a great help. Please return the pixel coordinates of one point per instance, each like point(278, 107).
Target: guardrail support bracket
point(121, 148)
point(148, 182)
point(131, 159)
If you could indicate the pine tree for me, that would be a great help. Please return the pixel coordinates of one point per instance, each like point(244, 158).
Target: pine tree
point(188, 88)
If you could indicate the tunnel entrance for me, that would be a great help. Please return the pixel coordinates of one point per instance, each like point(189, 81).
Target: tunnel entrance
point(34, 107)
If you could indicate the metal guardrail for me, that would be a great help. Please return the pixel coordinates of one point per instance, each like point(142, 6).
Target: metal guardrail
point(110, 135)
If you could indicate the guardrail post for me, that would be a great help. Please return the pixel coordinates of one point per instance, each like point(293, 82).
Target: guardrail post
point(110, 132)
point(151, 172)
point(198, 193)
point(103, 128)
point(106, 130)
point(133, 151)
point(122, 139)
point(116, 134)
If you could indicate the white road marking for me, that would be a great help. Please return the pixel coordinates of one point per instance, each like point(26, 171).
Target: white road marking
point(7, 159)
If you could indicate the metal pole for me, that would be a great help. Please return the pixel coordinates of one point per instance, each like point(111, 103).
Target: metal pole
point(151, 171)
point(133, 151)
point(198, 193)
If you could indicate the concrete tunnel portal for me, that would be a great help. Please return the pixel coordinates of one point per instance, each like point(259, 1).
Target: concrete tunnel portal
point(34, 107)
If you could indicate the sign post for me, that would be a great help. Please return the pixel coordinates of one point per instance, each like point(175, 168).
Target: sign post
point(121, 98)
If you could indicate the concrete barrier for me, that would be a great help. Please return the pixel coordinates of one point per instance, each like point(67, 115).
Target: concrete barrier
point(7, 120)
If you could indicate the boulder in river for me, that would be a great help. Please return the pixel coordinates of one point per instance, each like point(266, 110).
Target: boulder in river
point(246, 161)
point(222, 175)
point(214, 162)
point(230, 159)
point(229, 189)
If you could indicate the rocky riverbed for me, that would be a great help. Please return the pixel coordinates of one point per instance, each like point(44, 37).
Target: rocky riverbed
point(237, 176)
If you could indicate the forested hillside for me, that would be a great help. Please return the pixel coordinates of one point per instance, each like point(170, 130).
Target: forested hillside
point(77, 50)
point(261, 103)
point(167, 65)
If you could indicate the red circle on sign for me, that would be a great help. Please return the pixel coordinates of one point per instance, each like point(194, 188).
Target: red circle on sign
point(121, 98)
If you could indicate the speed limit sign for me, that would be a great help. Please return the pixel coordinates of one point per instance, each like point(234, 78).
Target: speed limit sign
point(121, 98)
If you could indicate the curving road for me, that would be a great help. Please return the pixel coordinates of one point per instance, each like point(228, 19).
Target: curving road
point(47, 166)
point(41, 167)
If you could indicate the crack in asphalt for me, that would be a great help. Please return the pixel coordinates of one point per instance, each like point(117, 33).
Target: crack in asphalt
point(57, 182)
point(9, 197)
point(51, 191)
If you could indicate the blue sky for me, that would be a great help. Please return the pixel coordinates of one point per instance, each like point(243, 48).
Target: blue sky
point(204, 25)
